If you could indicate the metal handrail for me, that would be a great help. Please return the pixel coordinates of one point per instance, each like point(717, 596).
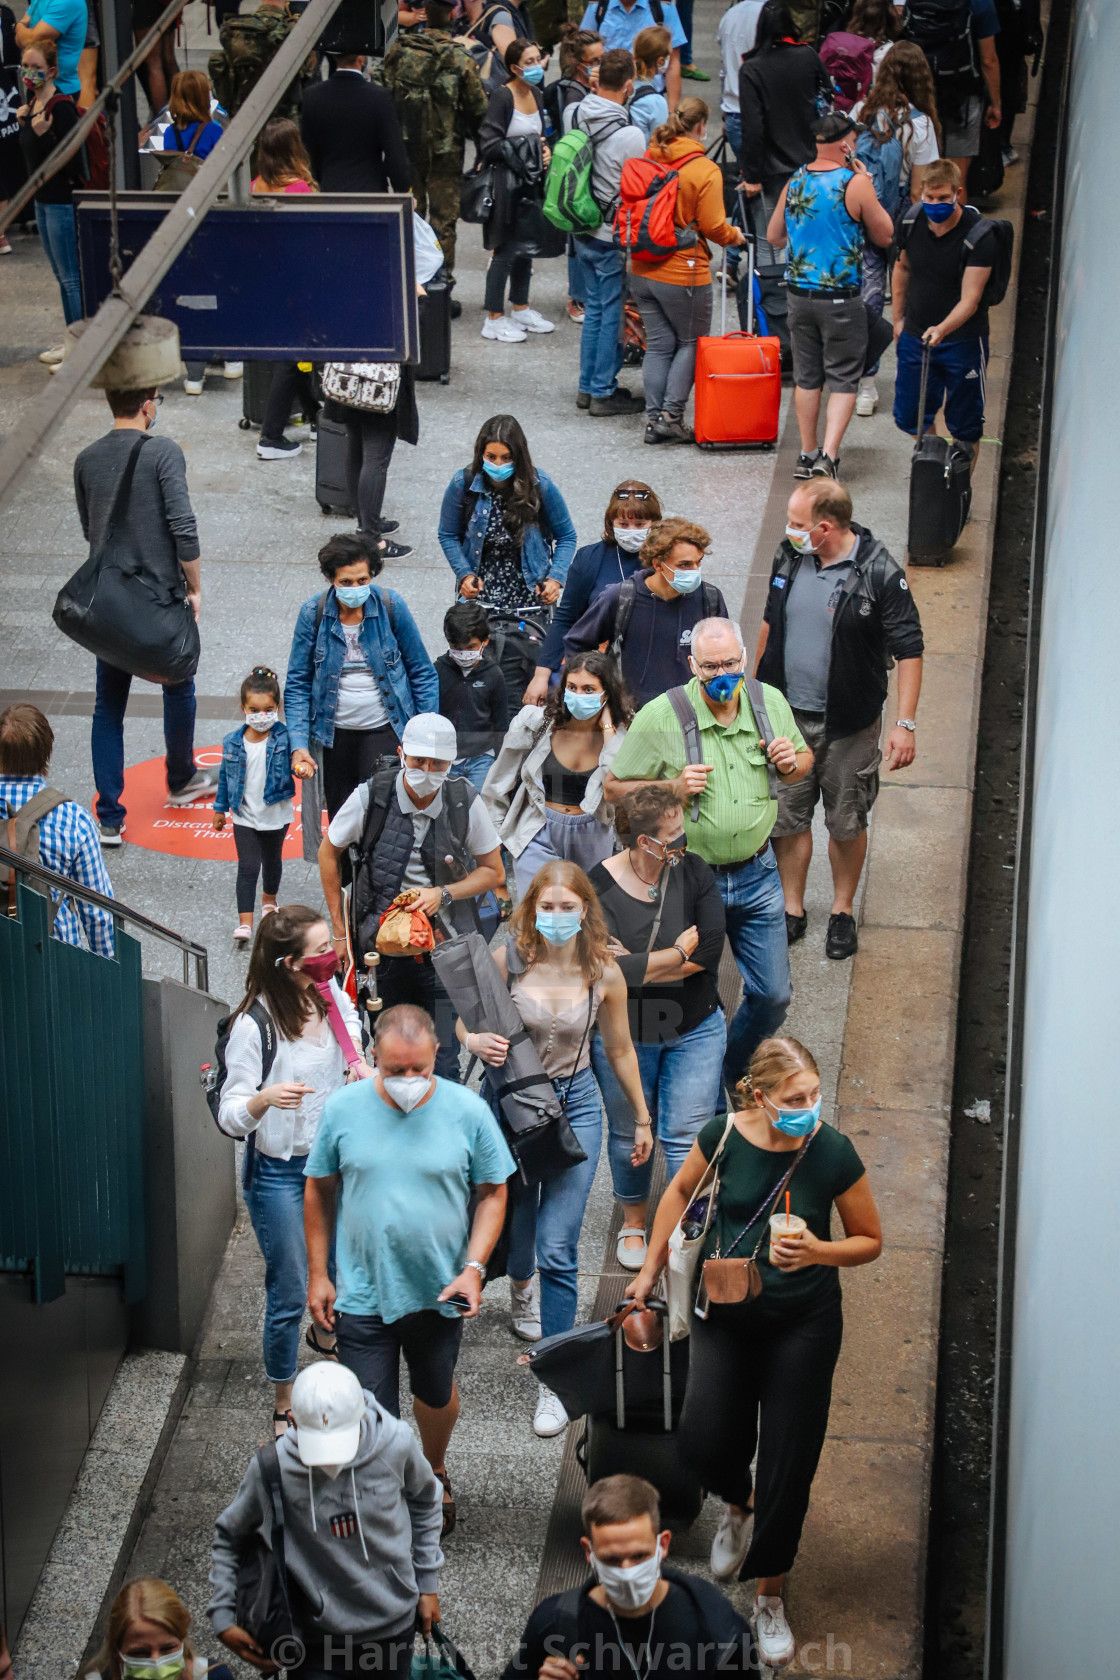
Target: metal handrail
point(120, 912)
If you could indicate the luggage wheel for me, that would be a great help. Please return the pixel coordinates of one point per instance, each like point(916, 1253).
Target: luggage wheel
point(245, 425)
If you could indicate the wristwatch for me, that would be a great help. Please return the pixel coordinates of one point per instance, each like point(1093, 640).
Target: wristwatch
point(906, 723)
point(477, 1266)
point(446, 901)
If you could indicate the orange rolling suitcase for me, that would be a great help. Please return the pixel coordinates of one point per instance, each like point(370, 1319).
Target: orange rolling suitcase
point(738, 381)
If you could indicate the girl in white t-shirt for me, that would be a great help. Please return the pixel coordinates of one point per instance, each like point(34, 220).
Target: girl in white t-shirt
point(255, 784)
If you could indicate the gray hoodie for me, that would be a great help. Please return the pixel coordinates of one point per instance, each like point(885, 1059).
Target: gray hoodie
point(360, 1548)
point(615, 138)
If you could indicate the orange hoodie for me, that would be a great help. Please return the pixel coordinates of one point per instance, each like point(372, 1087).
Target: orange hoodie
point(700, 205)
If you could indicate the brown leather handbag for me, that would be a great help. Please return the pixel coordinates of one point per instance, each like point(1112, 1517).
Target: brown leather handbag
point(727, 1281)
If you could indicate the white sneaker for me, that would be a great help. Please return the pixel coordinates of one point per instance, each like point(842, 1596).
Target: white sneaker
point(504, 330)
point(867, 398)
point(550, 1418)
point(531, 321)
point(193, 387)
point(233, 370)
point(525, 1315)
point(56, 353)
point(729, 1548)
point(771, 1630)
point(200, 786)
point(632, 1259)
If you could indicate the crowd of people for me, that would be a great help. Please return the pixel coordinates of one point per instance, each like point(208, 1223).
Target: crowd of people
point(612, 805)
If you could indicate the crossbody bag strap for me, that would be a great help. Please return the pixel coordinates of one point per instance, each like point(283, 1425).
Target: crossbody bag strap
point(770, 1200)
point(667, 876)
point(582, 1042)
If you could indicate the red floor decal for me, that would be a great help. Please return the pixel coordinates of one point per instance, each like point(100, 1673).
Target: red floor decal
point(185, 830)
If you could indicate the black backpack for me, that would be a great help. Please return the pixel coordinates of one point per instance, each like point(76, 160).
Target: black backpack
point(1000, 278)
point(214, 1074)
point(624, 611)
point(516, 644)
point(943, 30)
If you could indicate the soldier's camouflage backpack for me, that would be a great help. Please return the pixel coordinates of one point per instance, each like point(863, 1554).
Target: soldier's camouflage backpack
point(249, 43)
point(424, 73)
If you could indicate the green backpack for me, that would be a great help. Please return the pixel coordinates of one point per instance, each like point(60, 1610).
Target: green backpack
point(569, 202)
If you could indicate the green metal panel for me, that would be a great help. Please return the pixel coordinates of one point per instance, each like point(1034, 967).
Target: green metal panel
point(71, 1072)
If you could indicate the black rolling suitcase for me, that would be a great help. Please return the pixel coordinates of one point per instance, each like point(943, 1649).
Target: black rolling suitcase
point(332, 491)
point(940, 489)
point(639, 1438)
point(435, 332)
point(256, 383)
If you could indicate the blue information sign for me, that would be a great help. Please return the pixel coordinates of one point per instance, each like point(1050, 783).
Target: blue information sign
point(288, 277)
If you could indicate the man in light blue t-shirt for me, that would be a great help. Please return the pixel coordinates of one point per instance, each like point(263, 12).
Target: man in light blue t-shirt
point(65, 23)
point(397, 1158)
point(620, 24)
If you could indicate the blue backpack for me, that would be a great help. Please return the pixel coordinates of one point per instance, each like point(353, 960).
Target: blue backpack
point(883, 161)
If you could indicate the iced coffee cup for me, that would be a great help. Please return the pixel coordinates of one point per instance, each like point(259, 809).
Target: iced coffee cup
point(784, 1225)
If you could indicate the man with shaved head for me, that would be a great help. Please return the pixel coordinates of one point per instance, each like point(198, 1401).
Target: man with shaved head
point(707, 740)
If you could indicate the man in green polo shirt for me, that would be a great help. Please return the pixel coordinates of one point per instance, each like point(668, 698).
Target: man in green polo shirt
point(735, 815)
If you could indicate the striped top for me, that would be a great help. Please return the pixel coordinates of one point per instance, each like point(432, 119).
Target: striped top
point(736, 811)
point(69, 844)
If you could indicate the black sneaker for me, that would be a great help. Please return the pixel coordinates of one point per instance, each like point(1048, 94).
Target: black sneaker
point(841, 941)
point(109, 835)
point(386, 527)
point(825, 467)
point(619, 402)
point(795, 927)
point(278, 451)
point(583, 399)
point(805, 464)
point(652, 434)
point(456, 309)
point(394, 551)
point(670, 430)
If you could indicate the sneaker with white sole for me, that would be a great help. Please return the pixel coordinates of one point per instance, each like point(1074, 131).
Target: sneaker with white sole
point(109, 834)
point(200, 786)
point(550, 1418)
point(729, 1548)
point(530, 321)
point(771, 1630)
point(278, 451)
point(504, 330)
point(524, 1311)
point(867, 398)
point(232, 370)
point(193, 387)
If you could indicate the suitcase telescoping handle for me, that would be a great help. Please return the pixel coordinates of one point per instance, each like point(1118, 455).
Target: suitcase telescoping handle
point(745, 213)
point(662, 1310)
point(926, 351)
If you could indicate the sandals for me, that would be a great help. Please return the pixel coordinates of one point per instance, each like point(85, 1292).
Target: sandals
point(449, 1510)
point(311, 1337)
point(631, 1259)
point(286, 1419)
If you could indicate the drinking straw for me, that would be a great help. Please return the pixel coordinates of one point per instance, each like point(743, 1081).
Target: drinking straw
point(787, 1207)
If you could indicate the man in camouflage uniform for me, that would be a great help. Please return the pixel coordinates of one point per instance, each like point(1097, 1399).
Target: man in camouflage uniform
point(248, 45)
point(440, 102)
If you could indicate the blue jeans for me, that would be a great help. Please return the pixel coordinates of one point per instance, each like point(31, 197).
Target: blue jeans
point(683, 1090)
point(546, 1220)
point(58, 231)
point(107, 738)
point(575, 278)
point(873, 286)
point(684, 12)
point(733, 128)
point(958, 376)
point(756, 930)
point(274, 1198)
point(602, 270)
point(475, 770)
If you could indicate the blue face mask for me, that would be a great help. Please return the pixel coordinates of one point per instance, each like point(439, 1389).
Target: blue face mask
point(724, 687)
point(796, 1122)
point(558, 926)
point(501, 474)
point(938, 212)
point(533, 74)
point(355, 596)
point(583, 706)
point(685, 582)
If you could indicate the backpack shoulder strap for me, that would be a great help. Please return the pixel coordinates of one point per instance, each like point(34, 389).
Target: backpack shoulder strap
point(658, 11)
point(386, 598)
point(712, 600)
point(460, 796)
point(380, 786)
point(269, 1461)
point(765, 728)
point(29, 813)
point(979, 227)
point(623, 612)
point(320, 609)
point(601, 12)
point(267, 1029)
point(685, 714)
point(906, 225)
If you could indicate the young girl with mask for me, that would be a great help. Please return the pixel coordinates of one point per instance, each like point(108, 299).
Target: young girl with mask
point(564, 982)
point(255, 783)
point(147, 1638)
point(545, 792)
point(291, 983)
point(760, 1372)
point(632, 509)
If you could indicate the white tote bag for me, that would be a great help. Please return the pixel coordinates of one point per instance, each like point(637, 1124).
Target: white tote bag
point(685, 1252)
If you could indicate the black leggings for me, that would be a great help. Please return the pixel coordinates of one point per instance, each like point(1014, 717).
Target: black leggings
point(369, 449)
point(258, 853)
point(353, 759)
point(508, 262)
point(757, 1383)
point(287, 383)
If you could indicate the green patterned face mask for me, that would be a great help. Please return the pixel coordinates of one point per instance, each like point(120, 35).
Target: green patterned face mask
point(153, 1668)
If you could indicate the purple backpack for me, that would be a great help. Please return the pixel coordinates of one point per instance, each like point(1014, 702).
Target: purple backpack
point(849, 60)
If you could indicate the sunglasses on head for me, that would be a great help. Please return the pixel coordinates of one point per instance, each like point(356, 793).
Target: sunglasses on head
point(632, 495)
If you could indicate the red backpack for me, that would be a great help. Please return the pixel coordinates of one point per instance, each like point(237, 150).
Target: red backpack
point(849, 60)
point(97, 153)
point(645, 222)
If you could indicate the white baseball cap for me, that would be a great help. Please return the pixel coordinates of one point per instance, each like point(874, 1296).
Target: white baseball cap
point(430, 735)
point(328, 1406)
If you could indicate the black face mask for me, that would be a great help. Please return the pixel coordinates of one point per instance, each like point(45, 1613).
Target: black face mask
point(672, 851)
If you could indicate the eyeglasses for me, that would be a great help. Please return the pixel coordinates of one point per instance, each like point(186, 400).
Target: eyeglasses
point(715, 668)
point(632, 495)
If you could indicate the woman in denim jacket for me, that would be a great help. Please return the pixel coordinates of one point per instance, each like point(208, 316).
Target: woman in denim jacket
point(504, 526)
point(357, 672)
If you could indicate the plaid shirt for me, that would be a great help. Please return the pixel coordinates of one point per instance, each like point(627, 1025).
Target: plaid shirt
point(69, 844)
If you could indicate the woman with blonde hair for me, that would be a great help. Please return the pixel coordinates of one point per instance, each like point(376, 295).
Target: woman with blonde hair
point(675, 296)
point(564, 982)
point(146, 1638)
point(760, 1371)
